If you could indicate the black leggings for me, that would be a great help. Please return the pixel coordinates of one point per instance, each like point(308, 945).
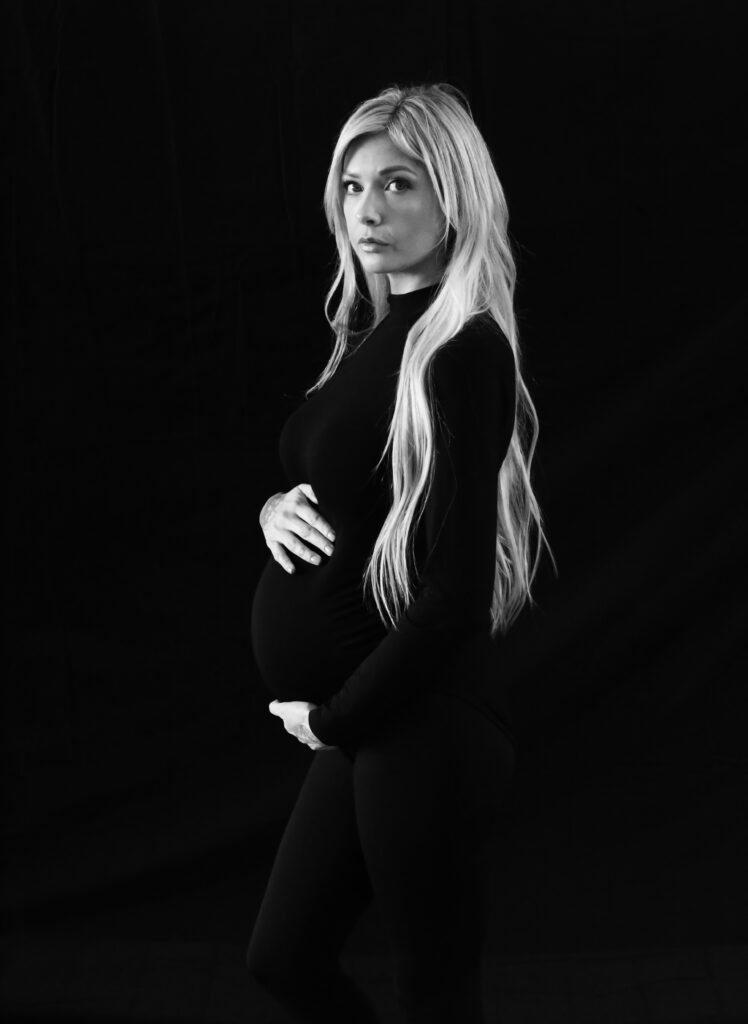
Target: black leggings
point(405, 818)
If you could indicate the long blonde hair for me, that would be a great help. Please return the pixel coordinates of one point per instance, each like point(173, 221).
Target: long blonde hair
point(433, 125)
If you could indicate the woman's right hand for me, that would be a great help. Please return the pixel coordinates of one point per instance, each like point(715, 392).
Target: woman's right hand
point(287, 517)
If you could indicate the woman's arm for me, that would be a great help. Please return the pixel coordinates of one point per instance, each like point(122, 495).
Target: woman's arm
point(473, 384)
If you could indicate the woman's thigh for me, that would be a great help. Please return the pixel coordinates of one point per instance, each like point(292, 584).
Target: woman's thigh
point(436, 764)
point(318, 886)
point(428, 789)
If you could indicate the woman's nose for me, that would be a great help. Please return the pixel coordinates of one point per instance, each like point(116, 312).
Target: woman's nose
point(368, 210)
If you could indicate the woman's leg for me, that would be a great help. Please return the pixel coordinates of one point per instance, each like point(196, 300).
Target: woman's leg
point(318, 889)
point(428, 787)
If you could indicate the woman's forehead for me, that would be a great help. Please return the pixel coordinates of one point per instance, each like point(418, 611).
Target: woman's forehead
point(377, 154)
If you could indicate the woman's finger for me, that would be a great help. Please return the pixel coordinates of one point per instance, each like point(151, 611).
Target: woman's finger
point(294, 544)
point(292, 537)
point(308, 490)
point(279, 554)
point(313, 528)
point(311, 515)
point(289, 542)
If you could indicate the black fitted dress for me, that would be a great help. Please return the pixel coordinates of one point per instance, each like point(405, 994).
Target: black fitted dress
point(315, 635)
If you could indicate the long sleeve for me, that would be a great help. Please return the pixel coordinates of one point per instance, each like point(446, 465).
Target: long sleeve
point(474, 387)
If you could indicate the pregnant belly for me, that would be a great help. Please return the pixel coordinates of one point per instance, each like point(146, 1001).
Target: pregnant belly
point(309, 630)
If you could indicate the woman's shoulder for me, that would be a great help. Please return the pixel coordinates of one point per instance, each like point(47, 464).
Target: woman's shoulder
point(475, 371)
point(479, 344)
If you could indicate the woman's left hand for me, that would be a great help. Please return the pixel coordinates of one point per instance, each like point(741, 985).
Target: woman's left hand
point(295, 715)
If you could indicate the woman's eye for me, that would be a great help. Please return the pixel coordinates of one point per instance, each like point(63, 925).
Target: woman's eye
point(401, 181)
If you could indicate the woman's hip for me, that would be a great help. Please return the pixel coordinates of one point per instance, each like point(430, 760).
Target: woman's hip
point(439, 748)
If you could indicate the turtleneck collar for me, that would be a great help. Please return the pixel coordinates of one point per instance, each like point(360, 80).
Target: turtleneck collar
point(410, 305)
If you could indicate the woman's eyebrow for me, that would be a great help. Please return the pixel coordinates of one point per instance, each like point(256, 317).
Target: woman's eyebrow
point(385, 170)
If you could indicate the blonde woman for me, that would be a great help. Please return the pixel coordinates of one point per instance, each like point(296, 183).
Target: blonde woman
point(405, 546)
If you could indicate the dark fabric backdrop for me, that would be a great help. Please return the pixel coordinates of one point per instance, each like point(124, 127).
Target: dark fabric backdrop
point(168, 258)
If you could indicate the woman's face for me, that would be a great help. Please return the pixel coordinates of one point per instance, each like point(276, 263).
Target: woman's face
point(389, 196)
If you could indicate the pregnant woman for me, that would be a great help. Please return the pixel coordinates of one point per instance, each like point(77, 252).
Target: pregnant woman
point(405, 546)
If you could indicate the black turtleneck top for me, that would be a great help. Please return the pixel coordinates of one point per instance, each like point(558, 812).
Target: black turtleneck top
point(315, 635)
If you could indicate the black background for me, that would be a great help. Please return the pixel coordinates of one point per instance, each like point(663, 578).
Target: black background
point(168, 259)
